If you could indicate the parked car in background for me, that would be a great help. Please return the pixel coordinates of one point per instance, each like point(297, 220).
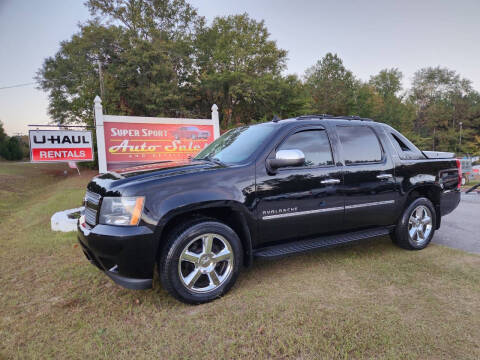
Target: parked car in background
point(264, 191)
point(190, 132)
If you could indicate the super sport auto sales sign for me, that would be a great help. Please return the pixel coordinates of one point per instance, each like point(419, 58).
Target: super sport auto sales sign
point(142, 142)
point(60, 145)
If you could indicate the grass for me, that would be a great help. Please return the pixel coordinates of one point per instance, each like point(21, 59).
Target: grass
point(371, 300)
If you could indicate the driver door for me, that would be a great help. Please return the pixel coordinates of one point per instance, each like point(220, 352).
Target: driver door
point(302, 201)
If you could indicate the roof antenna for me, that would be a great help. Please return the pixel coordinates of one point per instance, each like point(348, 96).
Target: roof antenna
point(275, 118)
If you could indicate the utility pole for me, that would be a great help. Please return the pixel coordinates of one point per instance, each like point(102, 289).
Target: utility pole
point(434, 138)
point(460, 141)
point(100, 75)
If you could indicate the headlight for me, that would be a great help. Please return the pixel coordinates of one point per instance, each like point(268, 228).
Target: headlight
point(121, 210)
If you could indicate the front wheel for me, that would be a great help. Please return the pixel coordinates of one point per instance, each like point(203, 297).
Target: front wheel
point(201, 261)
point(416, 227)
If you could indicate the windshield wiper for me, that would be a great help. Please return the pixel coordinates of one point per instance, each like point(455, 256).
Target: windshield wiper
point(214, 160)
point(218, 161)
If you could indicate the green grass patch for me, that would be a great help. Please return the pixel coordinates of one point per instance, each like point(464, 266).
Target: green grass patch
point(370, 300)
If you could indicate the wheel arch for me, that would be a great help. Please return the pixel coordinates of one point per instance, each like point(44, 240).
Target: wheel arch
point(229, 214)
point(432, 192)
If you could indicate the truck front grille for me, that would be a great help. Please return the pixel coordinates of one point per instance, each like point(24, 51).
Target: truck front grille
point(92, 202)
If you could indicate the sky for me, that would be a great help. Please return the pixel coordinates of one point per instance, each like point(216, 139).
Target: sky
point(369, 35)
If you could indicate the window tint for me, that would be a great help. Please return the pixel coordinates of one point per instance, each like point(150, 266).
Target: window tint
point(237, 145)
point(359, 144)
point(400, 143)
point(405, 149)
point(314, 144)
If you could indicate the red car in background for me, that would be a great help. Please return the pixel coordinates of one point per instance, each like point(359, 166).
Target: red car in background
point(190, 132)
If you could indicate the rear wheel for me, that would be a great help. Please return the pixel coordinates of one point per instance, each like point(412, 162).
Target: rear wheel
point(416, 227)
point(201, 261)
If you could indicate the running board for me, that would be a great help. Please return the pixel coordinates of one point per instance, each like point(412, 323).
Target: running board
point(318, 243)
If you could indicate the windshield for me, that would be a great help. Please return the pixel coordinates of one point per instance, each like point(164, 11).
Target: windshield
point(237, 145)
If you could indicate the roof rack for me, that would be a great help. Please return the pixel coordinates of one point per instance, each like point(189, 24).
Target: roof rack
point(320, 116)
point(331, 117)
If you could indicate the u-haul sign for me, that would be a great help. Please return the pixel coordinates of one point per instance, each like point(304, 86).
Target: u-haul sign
point(60, 145)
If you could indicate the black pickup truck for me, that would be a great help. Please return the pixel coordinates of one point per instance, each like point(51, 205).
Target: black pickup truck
point(264, 191)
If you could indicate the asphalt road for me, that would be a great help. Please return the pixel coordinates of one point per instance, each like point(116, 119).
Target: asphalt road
point(461, 228)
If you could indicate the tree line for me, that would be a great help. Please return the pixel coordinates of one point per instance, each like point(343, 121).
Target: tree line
point(161, 58)
point(12, 147)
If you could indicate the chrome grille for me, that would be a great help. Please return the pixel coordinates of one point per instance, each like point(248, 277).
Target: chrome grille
point(90, 216)
point(92, 202)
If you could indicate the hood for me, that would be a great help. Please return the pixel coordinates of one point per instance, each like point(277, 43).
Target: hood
point(170, 166)
point(103, 183)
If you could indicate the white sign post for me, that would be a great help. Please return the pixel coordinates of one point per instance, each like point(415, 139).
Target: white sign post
point(102, 159)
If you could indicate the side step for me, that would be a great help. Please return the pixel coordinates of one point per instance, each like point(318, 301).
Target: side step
point(318, 243)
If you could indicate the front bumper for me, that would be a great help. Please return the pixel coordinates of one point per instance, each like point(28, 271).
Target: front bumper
point(125, 254)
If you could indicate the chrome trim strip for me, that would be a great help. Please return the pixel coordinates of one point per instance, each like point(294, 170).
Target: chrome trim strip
point(317, 211)
point(370, 204)
point(298, 213)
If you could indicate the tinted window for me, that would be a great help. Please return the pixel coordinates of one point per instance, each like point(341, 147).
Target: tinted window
point(359, 144)
point(400, 143)
point(314, 144)
point(405, 149)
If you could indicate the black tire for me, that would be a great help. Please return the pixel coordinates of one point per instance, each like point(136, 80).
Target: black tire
point(184, 238)
point(402, 235)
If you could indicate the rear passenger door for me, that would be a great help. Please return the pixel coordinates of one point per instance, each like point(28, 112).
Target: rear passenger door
point(369, 184)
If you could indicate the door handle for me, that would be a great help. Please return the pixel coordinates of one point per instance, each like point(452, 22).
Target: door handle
point(330, 181)
point(384, 176)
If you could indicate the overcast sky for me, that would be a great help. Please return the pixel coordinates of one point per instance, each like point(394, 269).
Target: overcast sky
point(368, 35)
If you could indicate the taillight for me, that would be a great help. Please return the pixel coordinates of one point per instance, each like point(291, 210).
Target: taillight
point(459, 169)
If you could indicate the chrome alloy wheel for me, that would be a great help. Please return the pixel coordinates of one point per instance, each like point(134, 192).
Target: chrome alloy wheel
point(205, 263)
point(420, 225)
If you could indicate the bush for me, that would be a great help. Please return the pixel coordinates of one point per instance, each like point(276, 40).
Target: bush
point(15, 148)
point(12, 149)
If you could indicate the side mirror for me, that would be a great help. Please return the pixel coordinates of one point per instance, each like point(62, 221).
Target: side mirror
point(286, 158)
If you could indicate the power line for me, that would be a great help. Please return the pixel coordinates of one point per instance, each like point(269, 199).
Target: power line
point(17, 85)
